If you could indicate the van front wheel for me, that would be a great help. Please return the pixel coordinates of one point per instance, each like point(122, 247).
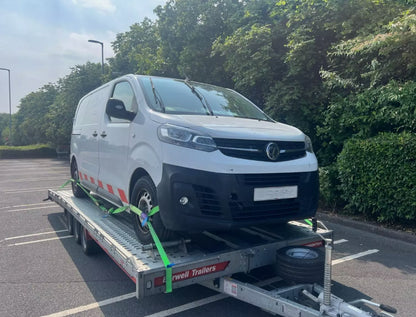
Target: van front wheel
point(144, 198)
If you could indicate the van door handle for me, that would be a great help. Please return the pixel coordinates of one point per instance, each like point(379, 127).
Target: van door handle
point(103, 134)
point(94, 134)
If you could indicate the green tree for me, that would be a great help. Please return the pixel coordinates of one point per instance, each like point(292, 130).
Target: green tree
point(81, 80)
point(188, 29)
point(372, 80)
point(371, 60)
point(137, 50)
point(4, 128)
point(30, 122)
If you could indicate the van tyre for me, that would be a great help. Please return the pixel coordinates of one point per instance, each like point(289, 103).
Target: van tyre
point(76, 190)
point(300, 264)
point(144, 197)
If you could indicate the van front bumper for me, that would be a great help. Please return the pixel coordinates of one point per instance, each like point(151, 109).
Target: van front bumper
point(193, 200)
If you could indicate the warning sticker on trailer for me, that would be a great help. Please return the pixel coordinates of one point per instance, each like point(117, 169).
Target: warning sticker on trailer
point(192, 273)
point(230, 288)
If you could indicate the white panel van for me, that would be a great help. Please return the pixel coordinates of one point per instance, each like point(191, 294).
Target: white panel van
point(206, 155)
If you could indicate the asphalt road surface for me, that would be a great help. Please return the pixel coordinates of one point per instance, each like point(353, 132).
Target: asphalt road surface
point(43, 272)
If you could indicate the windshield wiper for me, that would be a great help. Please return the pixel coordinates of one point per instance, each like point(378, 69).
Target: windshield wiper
point(204, 102)
point(157, 99)
point(253, 118)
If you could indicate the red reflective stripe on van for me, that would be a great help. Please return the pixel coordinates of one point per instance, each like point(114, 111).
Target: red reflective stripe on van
point(100, 184)
point(122, 196)
point(86, 177)
point(80, 176)
point(92, 180)
point(110, 189)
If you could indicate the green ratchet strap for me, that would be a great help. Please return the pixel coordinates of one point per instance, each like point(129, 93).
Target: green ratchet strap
point(160, 249)
point(144, 220)
point(308, 222)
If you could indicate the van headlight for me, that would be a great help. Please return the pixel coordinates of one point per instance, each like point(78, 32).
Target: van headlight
point(308, 144)
point(186, 137)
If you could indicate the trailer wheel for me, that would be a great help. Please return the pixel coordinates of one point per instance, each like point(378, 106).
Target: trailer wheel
point(77, 231)
point(88, 245)
point(69, 222)
point(300, 264)
point(144, 198)
point(76, 190)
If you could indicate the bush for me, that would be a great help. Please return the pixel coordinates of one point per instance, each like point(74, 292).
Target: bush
point(27, 151)
point(390, 108)
point(329, 188)
point(378, 177)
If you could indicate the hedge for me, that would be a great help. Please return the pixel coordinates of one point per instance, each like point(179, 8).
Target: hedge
point(378, 176)
point(27, 151)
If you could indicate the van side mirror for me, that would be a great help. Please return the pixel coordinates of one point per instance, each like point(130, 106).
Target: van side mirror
point(115, 108)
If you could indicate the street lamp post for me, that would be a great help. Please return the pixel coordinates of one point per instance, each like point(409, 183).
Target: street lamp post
point(10, 106)
point(102, 53)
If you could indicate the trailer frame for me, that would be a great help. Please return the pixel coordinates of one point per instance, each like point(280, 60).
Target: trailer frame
point(241, 252)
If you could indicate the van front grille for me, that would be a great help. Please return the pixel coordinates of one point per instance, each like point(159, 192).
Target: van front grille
point(271, 180)
point(256, 150)
point(273, 209)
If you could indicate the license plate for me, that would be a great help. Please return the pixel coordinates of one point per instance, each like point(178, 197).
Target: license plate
point(274, 193)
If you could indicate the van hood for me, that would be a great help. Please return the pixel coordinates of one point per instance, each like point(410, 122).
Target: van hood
point(232, 127)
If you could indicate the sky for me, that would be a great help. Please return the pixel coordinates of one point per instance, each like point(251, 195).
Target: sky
point(40, 40)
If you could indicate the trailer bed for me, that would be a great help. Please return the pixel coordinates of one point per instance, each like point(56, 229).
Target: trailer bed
point(208, 256)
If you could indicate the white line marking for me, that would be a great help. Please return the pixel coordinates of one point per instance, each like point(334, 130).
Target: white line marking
point(28, 205)
point(81, 309)
point(27, 190)
point(354, 256)
point(188, 306)
point(340, 241)
point(181, 308)
point(35, 234)
point(37, 241)
point(25, 180)
point(23, 190)
point(27, 209)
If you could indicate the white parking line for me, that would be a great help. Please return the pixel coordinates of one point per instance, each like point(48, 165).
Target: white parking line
point(188, 306)
point(340, 241)
point(84, 308)
point(28, 205)
point(26, 190)
point(181, 308)
point(27, 209)
point(25, 180)
point(34, 235)
point(354, 256)
point(38, 241)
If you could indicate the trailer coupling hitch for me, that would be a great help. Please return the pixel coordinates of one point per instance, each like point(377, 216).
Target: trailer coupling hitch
point(385, 308)
point(333, 306)
point(339, 307)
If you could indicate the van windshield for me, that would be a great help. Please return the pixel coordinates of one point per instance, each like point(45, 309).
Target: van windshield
point(176, 96)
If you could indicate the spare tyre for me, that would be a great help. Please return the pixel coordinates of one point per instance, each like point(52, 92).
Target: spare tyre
point(300, 264)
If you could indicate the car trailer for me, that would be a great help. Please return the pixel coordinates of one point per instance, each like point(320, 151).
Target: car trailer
point(275, 268)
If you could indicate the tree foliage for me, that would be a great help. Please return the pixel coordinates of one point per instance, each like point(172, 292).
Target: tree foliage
point(30, 122)
point(326, 66)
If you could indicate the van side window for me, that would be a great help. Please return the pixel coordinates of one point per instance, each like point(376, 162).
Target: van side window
point(124, 92)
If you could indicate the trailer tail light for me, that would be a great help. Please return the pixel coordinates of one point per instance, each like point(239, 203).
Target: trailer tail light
point(316, 244)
